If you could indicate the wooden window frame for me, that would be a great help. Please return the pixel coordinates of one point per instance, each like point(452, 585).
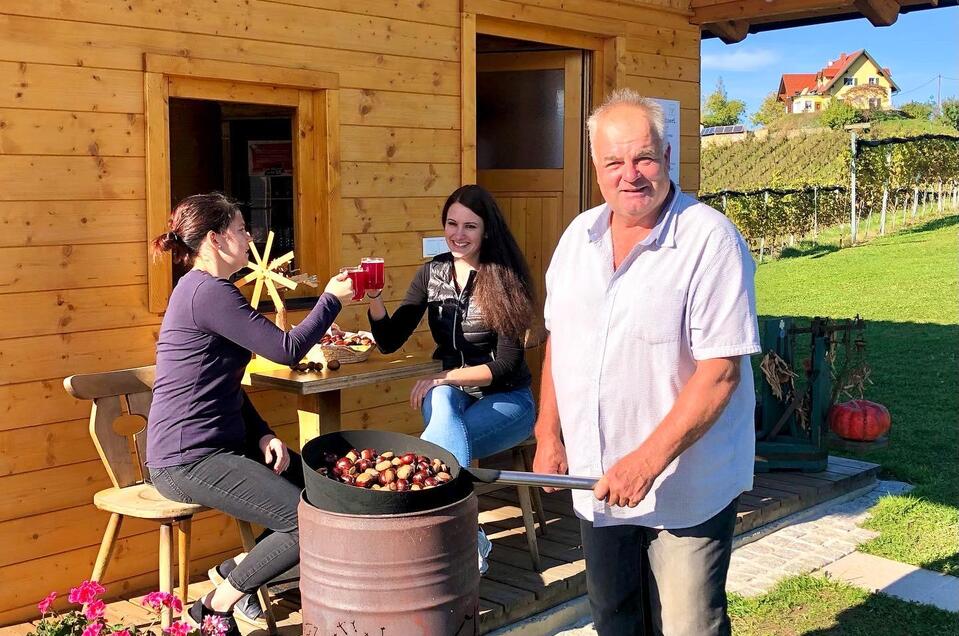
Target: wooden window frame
point(314, 96)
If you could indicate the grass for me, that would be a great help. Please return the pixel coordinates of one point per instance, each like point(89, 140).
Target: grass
point(835, 237)
point(817, 606)
point(905, 286)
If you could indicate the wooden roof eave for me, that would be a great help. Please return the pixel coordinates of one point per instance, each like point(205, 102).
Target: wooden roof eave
point(730, 20)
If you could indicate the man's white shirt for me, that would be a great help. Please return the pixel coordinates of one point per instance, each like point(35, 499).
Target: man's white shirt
point(625, 343)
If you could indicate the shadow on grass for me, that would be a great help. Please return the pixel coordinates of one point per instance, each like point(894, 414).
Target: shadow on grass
point(813, 249)
point(881, 615)
point(808, 248)
point(932, 224)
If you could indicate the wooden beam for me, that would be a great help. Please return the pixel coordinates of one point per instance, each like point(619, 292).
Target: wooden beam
point(766, 11)
point(157, 115)
point(468, 99)
point(240, 72)
point(879, 12)
point(729, 31)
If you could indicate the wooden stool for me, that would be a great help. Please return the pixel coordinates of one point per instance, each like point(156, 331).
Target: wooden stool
point(121, 403)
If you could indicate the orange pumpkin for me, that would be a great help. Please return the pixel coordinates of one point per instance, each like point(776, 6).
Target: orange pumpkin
point(859, 420)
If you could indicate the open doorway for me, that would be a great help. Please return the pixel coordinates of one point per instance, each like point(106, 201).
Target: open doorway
point(530, 141)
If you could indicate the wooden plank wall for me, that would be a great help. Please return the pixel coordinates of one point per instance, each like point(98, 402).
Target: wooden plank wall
point(72, 211)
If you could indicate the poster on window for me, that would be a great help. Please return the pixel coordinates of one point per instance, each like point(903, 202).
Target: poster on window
point(671, 110)
point(270, 158)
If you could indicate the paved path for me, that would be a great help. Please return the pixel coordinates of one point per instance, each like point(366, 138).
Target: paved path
point(829, 533)
point(823, 537)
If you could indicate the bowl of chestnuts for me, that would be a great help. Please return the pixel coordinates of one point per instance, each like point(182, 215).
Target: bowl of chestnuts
point(379, 472)
point(371, 472)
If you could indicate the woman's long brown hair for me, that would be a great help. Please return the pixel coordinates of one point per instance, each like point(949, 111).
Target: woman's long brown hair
point(504, 287)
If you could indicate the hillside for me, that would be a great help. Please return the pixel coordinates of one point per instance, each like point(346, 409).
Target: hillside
point(803, 156)
point(814, 157)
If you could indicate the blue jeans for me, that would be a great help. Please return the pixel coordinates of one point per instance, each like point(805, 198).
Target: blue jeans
point(476, 428)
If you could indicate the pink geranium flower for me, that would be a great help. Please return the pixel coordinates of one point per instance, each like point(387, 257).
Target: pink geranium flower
point(178, 628)
point(122, 632)
point(158, 600)
point(86, 592)
point(214, 626)
point(94, 610)
point(45, 605)
point(93, 629)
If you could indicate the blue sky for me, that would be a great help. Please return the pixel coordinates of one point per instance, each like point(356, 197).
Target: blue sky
point(916, 48)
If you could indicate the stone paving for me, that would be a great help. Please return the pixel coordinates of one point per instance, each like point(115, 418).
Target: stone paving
point(829, 534)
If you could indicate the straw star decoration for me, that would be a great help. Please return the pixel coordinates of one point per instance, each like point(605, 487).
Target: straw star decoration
point(265, 274)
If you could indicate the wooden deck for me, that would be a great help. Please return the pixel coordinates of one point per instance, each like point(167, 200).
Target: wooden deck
point(511, 590)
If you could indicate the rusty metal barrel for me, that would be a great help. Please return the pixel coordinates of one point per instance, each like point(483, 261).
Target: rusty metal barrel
point(411, 574)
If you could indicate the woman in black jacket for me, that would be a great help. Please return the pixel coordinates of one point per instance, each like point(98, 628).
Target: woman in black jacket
point(479, 302)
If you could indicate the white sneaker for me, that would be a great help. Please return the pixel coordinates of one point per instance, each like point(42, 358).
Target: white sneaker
point(484, 547)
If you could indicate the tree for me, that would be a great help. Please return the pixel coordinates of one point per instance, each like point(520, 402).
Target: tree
point(719, 110)
point(918, 110)
point(839, 114)
point(861, 96)
point(770, 110)
point(949, 114)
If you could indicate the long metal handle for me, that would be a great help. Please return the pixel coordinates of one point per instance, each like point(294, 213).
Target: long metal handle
point(518, 478)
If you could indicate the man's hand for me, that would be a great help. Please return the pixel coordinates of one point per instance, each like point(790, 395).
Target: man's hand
point(275, 452)
point(550, 458)
point(626, 482)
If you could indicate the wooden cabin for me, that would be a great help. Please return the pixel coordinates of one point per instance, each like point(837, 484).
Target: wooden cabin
point(342, 125)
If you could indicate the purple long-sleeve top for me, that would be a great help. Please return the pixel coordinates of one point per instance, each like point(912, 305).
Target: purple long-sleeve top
point(204, 346)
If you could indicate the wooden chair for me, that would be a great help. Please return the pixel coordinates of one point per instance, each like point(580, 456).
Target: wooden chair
point(121, 403)
point(530, 500)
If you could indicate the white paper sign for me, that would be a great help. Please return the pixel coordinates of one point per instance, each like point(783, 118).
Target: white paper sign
point(671, 110)
point(433, 245)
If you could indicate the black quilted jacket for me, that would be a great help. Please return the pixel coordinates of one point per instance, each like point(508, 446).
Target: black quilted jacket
point(461, 334)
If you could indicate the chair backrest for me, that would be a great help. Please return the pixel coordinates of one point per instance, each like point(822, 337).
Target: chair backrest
point(121, 405)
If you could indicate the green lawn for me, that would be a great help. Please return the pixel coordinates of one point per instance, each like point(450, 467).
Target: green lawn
point(816, 606)
point(905, 286)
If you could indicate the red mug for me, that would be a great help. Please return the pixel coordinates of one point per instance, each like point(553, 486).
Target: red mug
point(358, 276)
point(375, 273)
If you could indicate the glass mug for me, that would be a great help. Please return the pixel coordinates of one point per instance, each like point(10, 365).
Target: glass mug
point(358, 276)
point(375, 272)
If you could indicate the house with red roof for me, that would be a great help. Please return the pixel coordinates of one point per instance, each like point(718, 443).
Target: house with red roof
point(855, 78)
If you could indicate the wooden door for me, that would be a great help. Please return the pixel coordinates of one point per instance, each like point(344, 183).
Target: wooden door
point(530, 140)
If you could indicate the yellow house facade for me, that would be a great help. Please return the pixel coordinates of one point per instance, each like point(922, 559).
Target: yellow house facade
point(855, 78)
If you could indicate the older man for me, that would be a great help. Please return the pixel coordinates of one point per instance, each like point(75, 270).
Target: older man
point(646, 381)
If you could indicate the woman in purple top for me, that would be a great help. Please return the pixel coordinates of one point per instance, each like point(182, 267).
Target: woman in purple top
point(206, 443)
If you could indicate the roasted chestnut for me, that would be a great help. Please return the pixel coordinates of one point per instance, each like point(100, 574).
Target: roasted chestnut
point(365, 480)
point(344, 464)
point(387, 476)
